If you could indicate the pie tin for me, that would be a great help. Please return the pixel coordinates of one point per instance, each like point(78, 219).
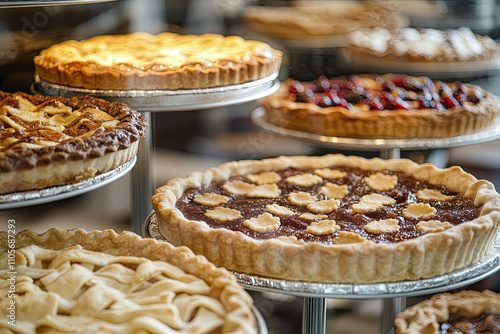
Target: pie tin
point(370, 143)
point(51, 194)
point(170, 100)
point(33, 3)
point(457, 278)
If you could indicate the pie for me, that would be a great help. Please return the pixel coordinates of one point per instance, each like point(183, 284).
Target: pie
point(166, 61)
point(101, 282)
point(420, 45)
point(51, 141)
point(321, 18)
point(331, 218)
point(461, 312)
point(390, 105)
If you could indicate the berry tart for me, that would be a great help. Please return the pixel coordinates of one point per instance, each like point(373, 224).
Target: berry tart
point(332, 218)
point(461, 312)
point(102, 282)
point(52, 141)
point(391, 105)
point(166, 61)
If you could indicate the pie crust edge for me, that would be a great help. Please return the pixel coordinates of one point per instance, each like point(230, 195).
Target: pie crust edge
point(426, 256)
point(240, 317)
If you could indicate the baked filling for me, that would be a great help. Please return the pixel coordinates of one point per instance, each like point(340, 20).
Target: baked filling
point(85, 287)
point(163, 61)
point(37, 131)
point(327, 205)
point(485, 323)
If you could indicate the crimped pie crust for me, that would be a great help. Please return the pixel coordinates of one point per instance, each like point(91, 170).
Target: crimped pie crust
point(237, 313)
point(166, 61)
point(47, 141)
point(366, 262)
point(400, 123)
point(426, 316)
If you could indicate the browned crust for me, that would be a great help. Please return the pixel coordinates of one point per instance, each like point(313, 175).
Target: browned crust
point(131, 127)
point(425, 256)
point(421, 123)
point(426, 316)
point(236, 301)
point(127, 76)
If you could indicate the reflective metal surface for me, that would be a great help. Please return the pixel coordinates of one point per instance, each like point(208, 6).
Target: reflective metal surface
point(36, 3)
point(170, 100)
point(455, 279)
point(33, 197)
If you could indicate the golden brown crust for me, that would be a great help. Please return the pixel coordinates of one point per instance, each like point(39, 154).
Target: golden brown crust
point(400, 123)
point(426, 316)
point(165, 61)
point(366, 262)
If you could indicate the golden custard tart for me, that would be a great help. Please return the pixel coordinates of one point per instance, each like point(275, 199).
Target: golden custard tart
point(390, 105)
point(166, 61)
point(333, 218)
point(52, 141)
point(465, 311)
point(103, 282)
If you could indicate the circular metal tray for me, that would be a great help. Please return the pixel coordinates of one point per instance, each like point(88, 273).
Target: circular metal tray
point(170, 100)
point(455, 279)
point(51, 194)
point(33, 3)
point(369, 143)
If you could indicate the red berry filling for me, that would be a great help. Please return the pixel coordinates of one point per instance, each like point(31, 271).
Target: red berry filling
point(399, 92)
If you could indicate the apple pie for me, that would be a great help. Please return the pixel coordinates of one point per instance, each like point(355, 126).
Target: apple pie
point(166, 61)
point(461, 312)
point(390, 105)
point(332, 218)
point(101, 282)
point(51, 141)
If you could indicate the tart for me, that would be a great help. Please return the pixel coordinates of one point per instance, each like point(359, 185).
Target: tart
point(332, 218)
point(82, 282)
point(420, 45)
point(390, 105)
point(166, 61)
point(461, 312)
point(51, 141)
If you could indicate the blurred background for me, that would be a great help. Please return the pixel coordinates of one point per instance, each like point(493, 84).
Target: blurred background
point(185, 141)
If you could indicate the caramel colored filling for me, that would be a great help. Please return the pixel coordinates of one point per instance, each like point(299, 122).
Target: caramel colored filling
point(485, 324)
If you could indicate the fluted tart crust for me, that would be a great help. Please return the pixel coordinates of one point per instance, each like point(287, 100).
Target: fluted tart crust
point(47, 141)
point(166, 61)
point(333, 218)
point(74, 281)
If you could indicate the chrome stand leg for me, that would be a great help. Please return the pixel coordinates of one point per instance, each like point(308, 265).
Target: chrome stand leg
point(392, 307)
point(142, 181)
point(391, 153)
point(314, 316)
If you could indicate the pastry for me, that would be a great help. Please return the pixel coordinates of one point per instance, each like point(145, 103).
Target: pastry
point(391, 105)
point(332, 218)
point(461, 312)
point(52, 141)
point(420, 45)
point(166, 61)
point(101, 282)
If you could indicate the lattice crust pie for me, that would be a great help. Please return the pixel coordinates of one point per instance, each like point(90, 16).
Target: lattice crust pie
point(421, 45)
point(391, 105)
point(101, 282)
point(462, 312)
point(164, 61)
point(51, 141)
point(332, 218)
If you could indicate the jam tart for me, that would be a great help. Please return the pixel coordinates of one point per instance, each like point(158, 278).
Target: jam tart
point(100, 281)
point(465, 311)
point(51, 141)
point(333, 218)
point(166, 61)
point(390, 105)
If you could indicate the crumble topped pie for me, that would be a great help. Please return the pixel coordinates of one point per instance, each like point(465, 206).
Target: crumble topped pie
point(165, 61)
point(82, 282)
point(390, 105)
point(461, 312)
point(51, 141)
point(331, 218)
